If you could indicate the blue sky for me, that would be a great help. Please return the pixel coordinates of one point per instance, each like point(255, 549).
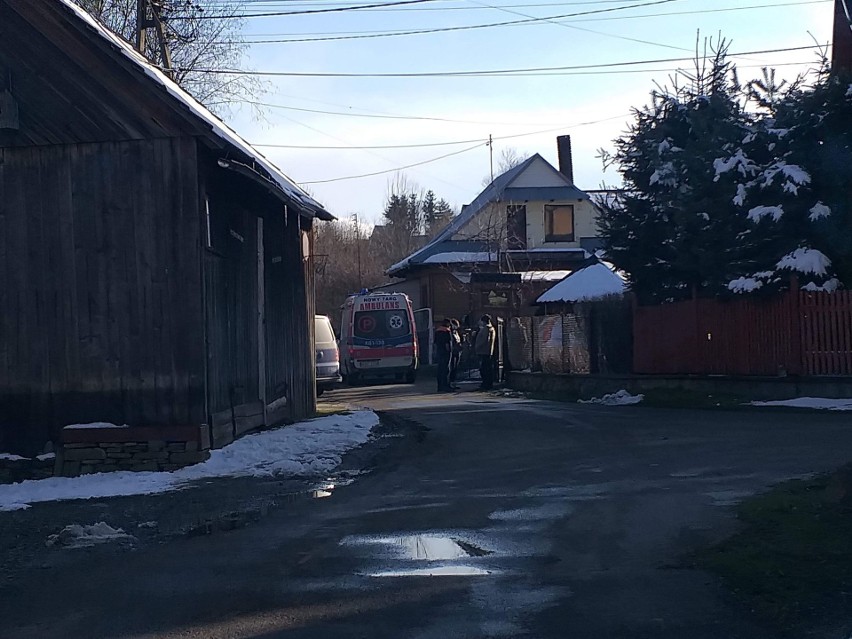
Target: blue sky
point(593, 107)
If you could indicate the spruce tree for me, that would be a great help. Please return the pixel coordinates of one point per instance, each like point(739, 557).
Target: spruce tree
point(796, 195)
point(675, 230)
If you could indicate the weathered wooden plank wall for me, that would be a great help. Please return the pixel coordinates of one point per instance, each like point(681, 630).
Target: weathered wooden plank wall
point(289, 318)
point(100, 287)
point(230, 275)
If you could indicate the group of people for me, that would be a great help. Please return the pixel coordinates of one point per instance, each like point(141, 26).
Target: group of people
point(449, 343)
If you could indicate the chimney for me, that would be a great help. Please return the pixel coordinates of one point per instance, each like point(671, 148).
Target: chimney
point(566, 163)
point(841, 59)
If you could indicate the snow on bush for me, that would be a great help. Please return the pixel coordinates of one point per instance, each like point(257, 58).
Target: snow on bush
point(759, 212)
point(620, 398)
point(77, 536)
point(819, 211)
point(805, 260)
point(829, 286)
point(738, 161)
point(664, 175)
point(744, 285)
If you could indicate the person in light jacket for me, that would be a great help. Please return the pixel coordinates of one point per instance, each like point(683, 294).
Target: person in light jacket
point(486, 339)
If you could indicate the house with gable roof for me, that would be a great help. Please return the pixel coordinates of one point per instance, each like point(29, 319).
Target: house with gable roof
point(528, 229)
point(157, 270)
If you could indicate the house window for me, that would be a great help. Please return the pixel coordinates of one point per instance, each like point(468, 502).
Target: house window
point(516, 227)
point(559, 223)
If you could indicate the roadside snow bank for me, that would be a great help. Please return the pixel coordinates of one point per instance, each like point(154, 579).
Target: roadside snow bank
point(77, 536)
point(308, 448)
point(621, 398)
point(822, 403)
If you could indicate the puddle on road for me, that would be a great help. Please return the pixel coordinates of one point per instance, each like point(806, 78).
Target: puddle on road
point(536, 513)
point(442, 550)
point(437, 571)
point(424, 547)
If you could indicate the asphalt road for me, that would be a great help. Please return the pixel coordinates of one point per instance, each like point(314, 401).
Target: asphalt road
point(481, 516)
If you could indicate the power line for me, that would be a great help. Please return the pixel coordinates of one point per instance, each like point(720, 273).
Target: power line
point(240, 16)
point(384, 116)
point(485, 73)
point(401, 168)
point(360, 35)
point(307, 3)
point(434, 144)
point(576, 28)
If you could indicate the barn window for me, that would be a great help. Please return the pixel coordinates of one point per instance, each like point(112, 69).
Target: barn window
point(559, 223)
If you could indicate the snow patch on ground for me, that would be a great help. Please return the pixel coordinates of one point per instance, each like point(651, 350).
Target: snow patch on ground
point(539, 513)
point(820, 403)
point(309, 448)
point(77, 536)
point(11, 457)
point(94, 425)
point(621, 398)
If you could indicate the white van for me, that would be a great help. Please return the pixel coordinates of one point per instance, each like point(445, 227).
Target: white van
point(327, 354)
point(378, 338)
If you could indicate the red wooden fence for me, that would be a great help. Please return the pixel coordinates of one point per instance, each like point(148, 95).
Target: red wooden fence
point(797, 333)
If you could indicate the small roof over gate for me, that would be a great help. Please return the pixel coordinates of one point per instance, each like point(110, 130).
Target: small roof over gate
point(590, 283)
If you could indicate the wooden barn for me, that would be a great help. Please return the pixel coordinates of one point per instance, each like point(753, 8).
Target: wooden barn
point(155, 269)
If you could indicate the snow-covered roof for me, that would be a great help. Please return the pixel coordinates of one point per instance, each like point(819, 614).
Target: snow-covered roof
point(499, 190)
point(544, 276)
point(589, 283)
point(293, 191)
point(460, 257)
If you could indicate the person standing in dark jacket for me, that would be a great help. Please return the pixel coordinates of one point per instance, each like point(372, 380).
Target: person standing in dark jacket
point(456, 351)
point(444, 348)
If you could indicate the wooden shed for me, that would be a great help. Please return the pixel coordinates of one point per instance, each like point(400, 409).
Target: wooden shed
point(155, 269)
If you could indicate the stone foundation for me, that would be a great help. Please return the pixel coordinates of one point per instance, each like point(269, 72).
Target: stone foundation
point(98, 450)
point(22, 468)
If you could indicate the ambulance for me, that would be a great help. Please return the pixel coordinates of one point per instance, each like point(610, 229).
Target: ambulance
point(378, 338)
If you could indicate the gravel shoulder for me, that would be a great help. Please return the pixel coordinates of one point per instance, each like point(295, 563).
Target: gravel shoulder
point(204, 508)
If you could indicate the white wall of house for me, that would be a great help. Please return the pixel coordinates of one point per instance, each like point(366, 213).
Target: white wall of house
point(585, 224)
point(538, 174)
point(488, 225)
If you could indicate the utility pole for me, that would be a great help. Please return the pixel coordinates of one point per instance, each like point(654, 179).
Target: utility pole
point(358, 250)
point(149, 14)
point(841, 58)
point(491, 155)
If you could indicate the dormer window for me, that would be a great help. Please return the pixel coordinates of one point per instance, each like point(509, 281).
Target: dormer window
point(559, 223)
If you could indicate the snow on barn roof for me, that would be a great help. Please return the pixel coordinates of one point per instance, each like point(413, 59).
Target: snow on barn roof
point(461, 257)
point(589, 283)
point(294, 192)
